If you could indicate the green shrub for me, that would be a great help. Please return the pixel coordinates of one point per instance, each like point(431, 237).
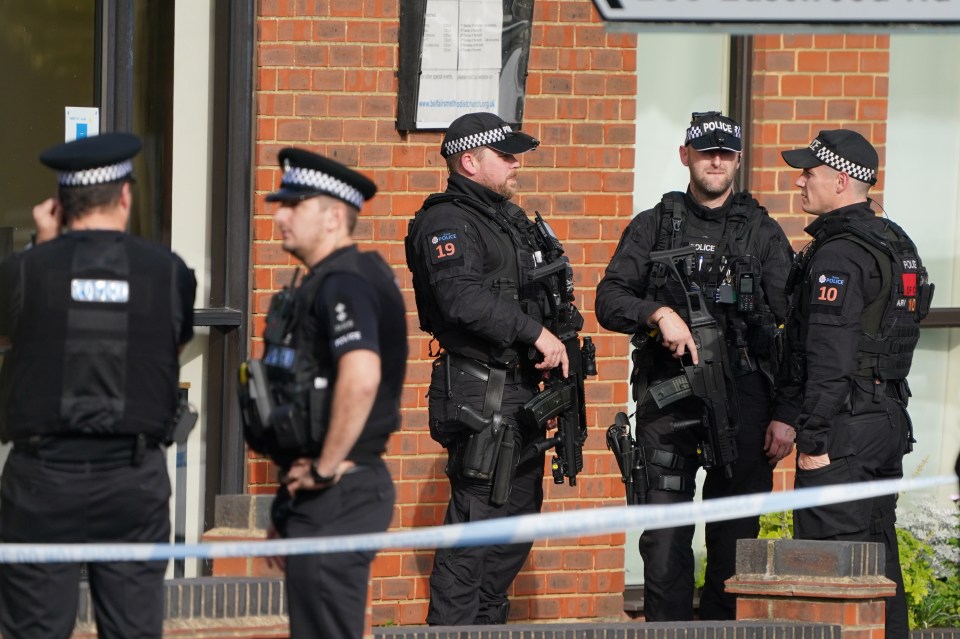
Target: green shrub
point(776, 525)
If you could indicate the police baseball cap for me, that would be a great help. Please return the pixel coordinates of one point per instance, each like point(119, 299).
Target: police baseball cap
point(307, 175)
point(841, 149)
point(474, 130)
point(711, 131)
point(100, 159)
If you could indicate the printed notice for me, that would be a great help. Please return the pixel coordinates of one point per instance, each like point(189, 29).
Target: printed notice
point(460, 65)
point(80, 122)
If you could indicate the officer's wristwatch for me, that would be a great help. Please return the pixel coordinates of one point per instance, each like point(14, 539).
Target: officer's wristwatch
point(318, 478)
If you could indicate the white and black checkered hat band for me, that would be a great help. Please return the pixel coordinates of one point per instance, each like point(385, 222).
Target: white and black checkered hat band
point(835, 161)
point(319, 181)
point(477, 140)
point(99, 175)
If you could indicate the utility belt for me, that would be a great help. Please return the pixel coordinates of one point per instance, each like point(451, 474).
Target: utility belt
point(867, 394)
point(118, 450)
point(482, 370)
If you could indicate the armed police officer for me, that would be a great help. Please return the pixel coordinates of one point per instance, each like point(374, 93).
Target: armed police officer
point(720, 249)
point(859, 291)
point(94, 319)
point(476, 259)
point(325, 398)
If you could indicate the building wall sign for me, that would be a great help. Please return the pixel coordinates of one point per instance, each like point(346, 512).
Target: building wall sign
point(837, 12)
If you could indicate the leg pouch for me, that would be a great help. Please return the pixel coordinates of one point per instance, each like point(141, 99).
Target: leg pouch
point(449, 389)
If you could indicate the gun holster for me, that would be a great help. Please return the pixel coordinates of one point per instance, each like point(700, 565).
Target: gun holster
point(481, 450)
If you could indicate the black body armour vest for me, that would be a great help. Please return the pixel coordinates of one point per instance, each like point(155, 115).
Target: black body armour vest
point(724, 268)
point(891, 322)
point(300, 370)
point(519, 253)
point(94, 340)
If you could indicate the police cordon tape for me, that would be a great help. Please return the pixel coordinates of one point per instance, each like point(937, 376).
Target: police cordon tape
point(526, 528)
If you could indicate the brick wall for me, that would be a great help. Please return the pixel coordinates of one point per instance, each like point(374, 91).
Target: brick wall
point(326, 80)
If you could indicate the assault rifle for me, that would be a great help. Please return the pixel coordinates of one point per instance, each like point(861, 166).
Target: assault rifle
point(707, 381)
point(562, 398)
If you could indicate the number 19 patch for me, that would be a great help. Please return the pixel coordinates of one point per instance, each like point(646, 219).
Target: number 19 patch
point(828, 289)
point(444, 247)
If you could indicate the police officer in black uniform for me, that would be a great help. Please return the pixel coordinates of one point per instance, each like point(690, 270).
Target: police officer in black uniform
point(737, 247)
point(333, 368)
point(468, 249)
point(859, 292)
point(94, 318)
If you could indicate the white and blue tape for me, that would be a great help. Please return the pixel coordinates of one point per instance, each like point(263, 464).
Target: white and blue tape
point(555, 525)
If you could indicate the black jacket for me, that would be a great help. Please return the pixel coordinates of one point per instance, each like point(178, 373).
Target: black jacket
point(453, 249)
point(624, 298)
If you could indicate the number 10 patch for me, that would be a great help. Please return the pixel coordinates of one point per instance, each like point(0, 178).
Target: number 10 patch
point(444, 247)
point(828, 289)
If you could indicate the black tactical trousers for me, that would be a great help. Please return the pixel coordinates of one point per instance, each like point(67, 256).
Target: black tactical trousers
point(869, 446)
point(469, 585)
point(668, 560)
point(327, 593)
point(83, 502)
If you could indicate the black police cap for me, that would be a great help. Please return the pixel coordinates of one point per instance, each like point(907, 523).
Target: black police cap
point(100, 159)
point(841, 149)
point(711, 131)
point(474, 130)
point(307, 175)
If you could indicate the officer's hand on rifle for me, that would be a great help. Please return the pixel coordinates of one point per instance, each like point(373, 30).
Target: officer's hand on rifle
point(553, 351)
point(674, 333)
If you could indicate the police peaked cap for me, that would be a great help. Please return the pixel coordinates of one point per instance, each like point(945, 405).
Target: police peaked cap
point(100, 159)
point(307, 175)
point(474, 130)
point(712, 131)
point(841, 149)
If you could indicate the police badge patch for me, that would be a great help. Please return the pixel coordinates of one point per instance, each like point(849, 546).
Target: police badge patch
point(345, 329)
point(829, 288)
point(444, 247)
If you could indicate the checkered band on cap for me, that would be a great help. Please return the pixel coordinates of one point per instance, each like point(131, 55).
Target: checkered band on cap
point(837, 162)
point(99, 175)
point(477, 139)
point(317, 180)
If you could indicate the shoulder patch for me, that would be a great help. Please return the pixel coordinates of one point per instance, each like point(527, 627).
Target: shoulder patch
point(444, 247)
point(829, 288)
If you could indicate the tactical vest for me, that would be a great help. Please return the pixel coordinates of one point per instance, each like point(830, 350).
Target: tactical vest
point(300, 370)
point(891, 322)
point(741, 225)
point(749, 329)
point(508, 278)
point(94, 343)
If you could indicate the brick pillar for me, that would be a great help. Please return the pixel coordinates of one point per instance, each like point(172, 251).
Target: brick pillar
point(835, 582)
point(241, 518)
